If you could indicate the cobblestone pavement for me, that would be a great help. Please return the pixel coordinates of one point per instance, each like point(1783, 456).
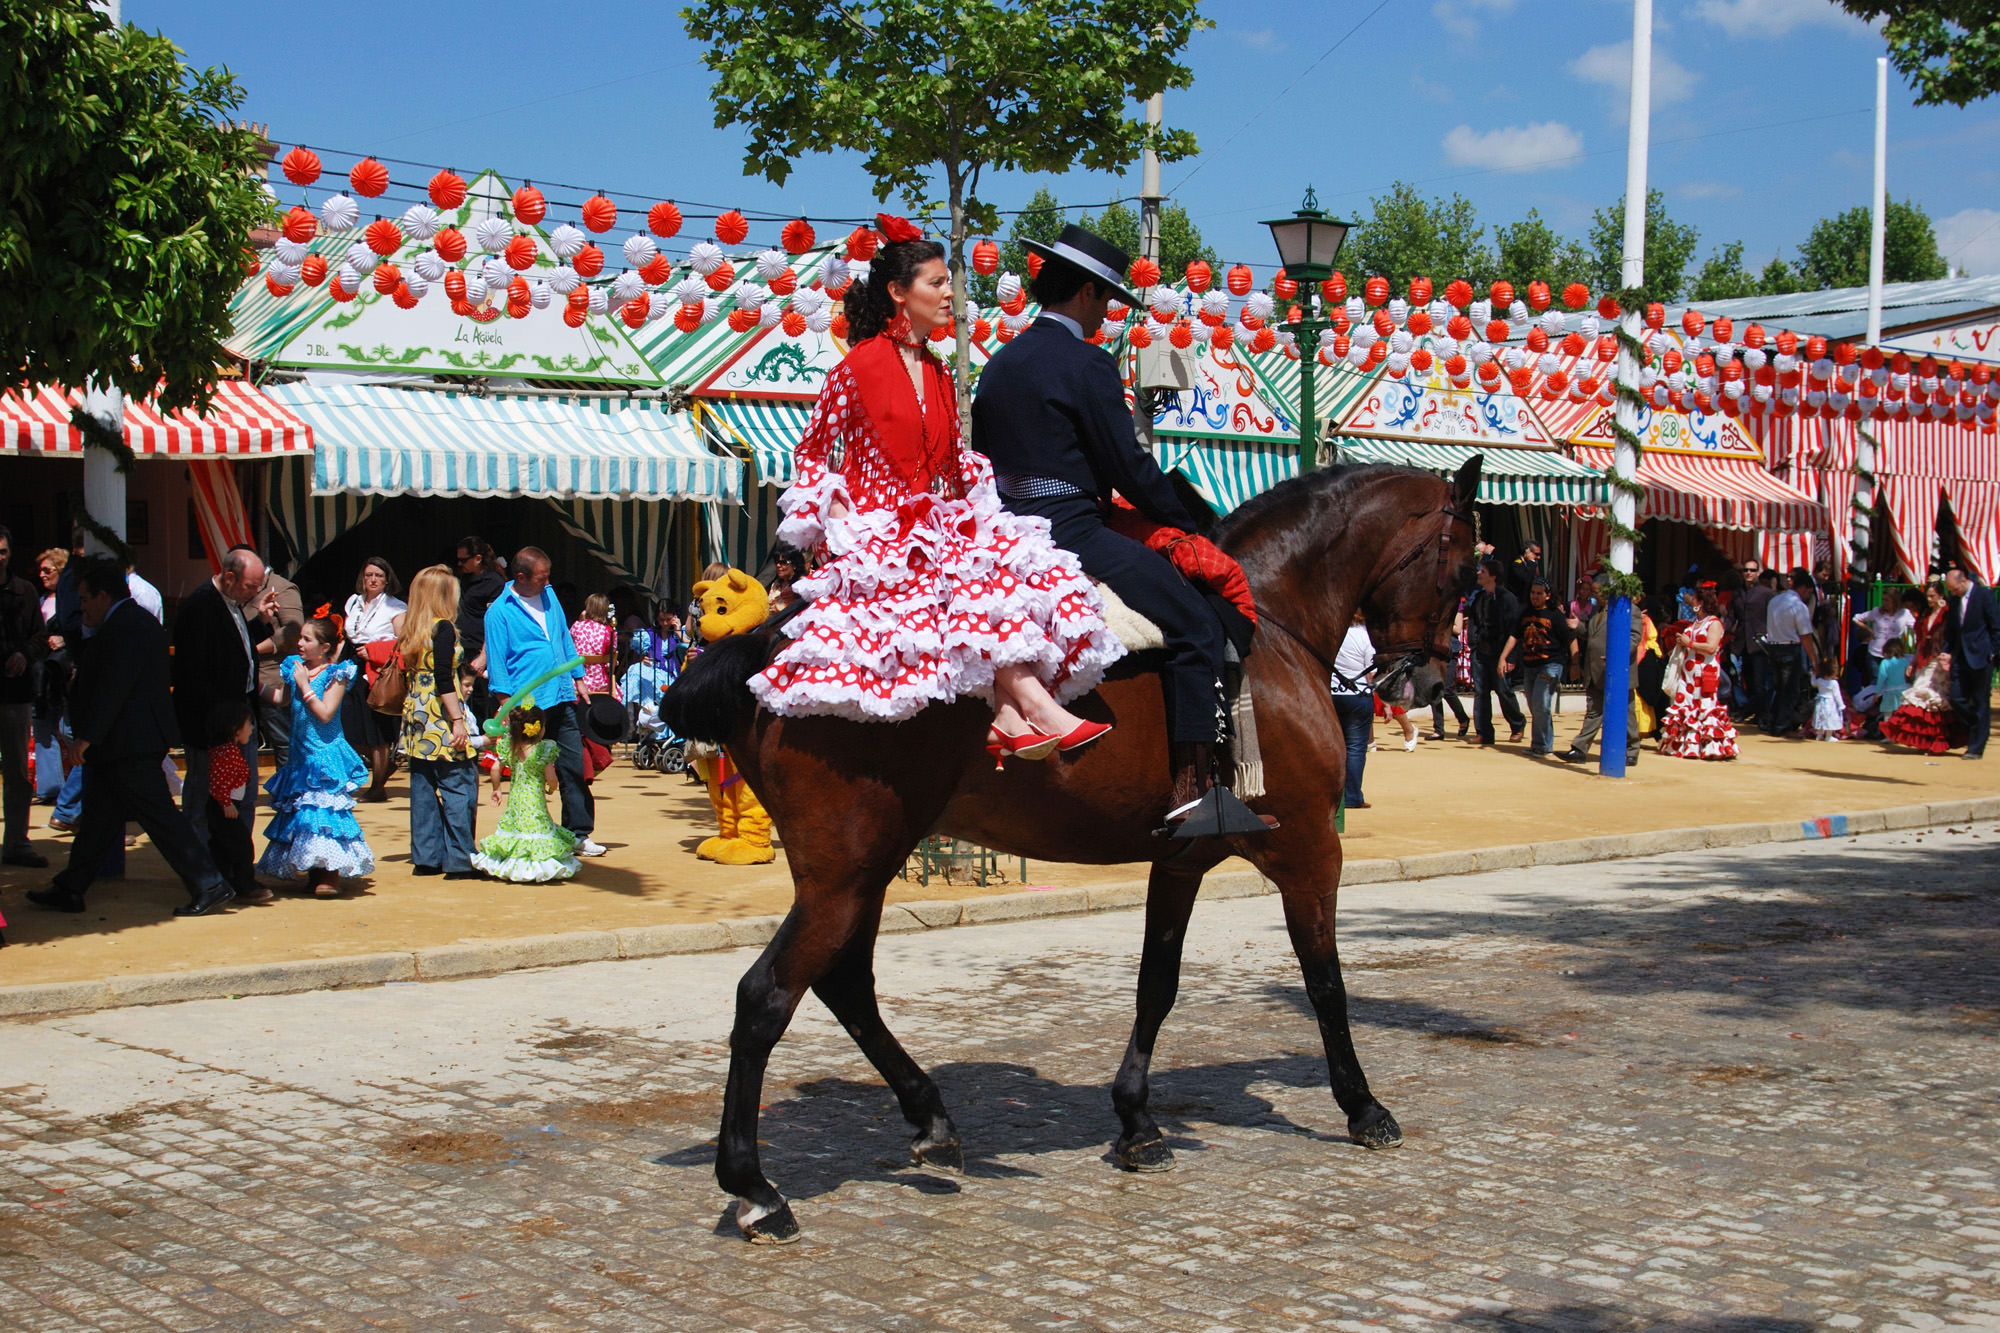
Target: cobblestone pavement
point(1725, 1091)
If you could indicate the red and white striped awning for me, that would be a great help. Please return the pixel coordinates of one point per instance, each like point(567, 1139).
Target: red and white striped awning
point(241, 422)
point(1940, 449)
point(1717, 492)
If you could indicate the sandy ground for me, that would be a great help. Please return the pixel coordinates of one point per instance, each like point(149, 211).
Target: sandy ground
point(1443, 797)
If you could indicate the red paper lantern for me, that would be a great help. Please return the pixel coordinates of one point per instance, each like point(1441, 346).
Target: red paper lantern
point(663, 219)
point(1656, 315)
point(1538, 295)
point(1607, 307)
point(1384, 325)
point(1458, 326)
point(599, 213)
point(1420, 322)
point(1538, 340)
point(633, 312)
point(301, 166)
point(658, 271)
point(517, 290)
point(1139, 337)
point(276, 288)
point(838, 328)
point(1222, 339)
point(1691, 322)
point(383, 236)
point(1574, 343)
point(1420, 360)
point(1420, 292)
point(340, 293)
point(1199, 275)
point(1752, 337)
point(454, 286)
point(742, 319)
point(1017, 305)
point(1671, 362)
point(1458, 292)
point(1342, 344)
point(368, 178)
point(1816, 351)
point(386, 278)
point(981, 330)
point(1576, 296)
point(1115, 312)
point(785, 283)
point(589, 261)
point(796, 236)
point(1034, 265)
point(312, 270)
point(985, 257)
point(722, 278)
point(1264, 341)
point(1181, 335)
point(1722, 329)
point(574, 318)
point(521, 252)
point(404, 298)
point(529, 205)
point(1502, 294)
point(450, 245)
point(447, 189)
point(1334, 288)
point(1496, 330)
point(1376, 290)
point(794, 324)
point(861, 244)
point(1240, 279)
point(1454, 365)
point(730, 228)
point(1284, 286)
point(1843, 354)
point(1145, 273)
point(300, 225)
point(578, 299)
point(1607, 348)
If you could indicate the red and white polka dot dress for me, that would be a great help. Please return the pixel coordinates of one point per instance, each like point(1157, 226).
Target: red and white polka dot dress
point(1697, 724)
point(922, 595)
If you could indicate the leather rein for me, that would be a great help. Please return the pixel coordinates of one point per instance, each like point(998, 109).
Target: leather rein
point(1409, 656)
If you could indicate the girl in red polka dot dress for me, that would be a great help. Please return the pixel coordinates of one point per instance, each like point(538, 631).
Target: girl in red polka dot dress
point(927, 588)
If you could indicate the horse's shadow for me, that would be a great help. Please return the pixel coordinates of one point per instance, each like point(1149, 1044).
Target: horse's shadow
point(842, 1131)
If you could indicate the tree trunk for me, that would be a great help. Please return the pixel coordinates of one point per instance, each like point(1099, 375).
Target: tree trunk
point(960, 298)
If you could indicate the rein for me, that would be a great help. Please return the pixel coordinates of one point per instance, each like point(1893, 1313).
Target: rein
point(1409, 656)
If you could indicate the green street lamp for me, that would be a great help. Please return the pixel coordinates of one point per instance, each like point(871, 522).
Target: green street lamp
point(1308, 242)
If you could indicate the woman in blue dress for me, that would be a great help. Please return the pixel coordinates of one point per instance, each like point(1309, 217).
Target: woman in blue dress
point(313, 834)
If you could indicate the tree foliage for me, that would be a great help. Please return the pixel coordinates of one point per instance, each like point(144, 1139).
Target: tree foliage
point(1407, 235)
point(1531, 249)
point(126, 202)
point(1835, 253)
point(1670, 249)
point(1949, 50)
point(935, 93)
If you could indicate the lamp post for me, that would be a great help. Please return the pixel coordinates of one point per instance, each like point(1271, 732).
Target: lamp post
point(1308, 242)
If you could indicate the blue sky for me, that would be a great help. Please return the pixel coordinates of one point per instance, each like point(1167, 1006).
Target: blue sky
point(1760, 110)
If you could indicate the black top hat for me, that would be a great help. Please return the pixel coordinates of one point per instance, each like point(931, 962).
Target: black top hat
point(604, 721)
point(1092, 254)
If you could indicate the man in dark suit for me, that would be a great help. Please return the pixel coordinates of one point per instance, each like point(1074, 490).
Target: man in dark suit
point(214, 663)
point(1971, 633)
point(1051, 416)
point(122, 721)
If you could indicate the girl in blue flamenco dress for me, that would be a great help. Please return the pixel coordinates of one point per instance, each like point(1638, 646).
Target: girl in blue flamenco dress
point(314, 834)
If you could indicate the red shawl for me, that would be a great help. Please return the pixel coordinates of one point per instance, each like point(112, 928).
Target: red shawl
point(920, 444)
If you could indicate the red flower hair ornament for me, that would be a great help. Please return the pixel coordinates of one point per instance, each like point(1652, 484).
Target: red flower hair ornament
point(897, 230)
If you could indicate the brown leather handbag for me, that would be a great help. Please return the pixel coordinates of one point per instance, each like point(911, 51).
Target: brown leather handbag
point(391, 684)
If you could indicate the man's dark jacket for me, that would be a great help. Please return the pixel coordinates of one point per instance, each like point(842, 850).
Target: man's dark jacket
point(1973, 637)
point(120, 703)
point(210, 665)
point(1051, 405)
point(21, 631)
point(1496, 617)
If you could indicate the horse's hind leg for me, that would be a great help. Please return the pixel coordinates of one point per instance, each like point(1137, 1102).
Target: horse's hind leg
point(1170, 895)
point(848, 989)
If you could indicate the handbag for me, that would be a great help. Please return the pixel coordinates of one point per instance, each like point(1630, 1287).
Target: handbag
point(391, 684)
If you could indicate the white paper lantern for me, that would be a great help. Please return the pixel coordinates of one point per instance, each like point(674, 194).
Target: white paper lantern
point(835, 274)
point(564, 279)
point(705, 257)
point(770, 315)
point(418, 284)
point(1214, 302)
point(421, 221)
point(291, 251)
point(475, 287)
point(819, 321)
point(539, 294)
point(1481, 313)
point(770, 263)
point(492, 235)
point(599, 303)
point(627, 286)
point(640, 250)
point(711, 309)
point(1261, 304)
point(690, 291)
point(566, 241)
point(1399, 311)
point(337, 212)
point(431, 264)
point(498, 272)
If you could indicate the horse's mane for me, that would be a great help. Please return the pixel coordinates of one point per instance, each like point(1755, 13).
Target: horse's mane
point(1272, 508)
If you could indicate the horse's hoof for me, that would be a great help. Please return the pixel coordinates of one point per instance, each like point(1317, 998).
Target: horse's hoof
point(946, 1155)
point(1147, 1155)
point(1375, 1128)
point(767, 1226)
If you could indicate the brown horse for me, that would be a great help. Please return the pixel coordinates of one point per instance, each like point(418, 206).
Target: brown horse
point(852, 800)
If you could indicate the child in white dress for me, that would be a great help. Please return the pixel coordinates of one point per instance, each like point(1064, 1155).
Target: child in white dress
point(1829, 709)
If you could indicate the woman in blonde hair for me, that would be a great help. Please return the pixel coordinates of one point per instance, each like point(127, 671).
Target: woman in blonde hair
point(437, 739)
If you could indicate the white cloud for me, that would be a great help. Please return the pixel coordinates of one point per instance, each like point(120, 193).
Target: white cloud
point(1970, 240)
point(1707, 190)
point(1514, 147)
point(1610, 67)
point(1430, 90)
point(1775, 18)
point(1461, 18)
point(1257, 39)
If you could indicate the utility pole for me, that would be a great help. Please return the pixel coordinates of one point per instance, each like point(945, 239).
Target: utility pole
point(103, 483)
point(1860, 540)
point(1149, 248)
point(1625, 458)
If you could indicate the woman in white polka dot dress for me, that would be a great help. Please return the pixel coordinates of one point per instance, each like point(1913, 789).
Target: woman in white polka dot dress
point(927, 588)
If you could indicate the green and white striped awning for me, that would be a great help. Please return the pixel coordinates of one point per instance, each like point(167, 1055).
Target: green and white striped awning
point(1335, 387)
point(375, 439)
point(1228, 472)
point(1507, 477)
point(769, 430)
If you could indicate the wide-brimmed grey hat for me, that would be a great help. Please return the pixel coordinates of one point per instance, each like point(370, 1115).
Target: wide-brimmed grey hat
point(1091, 253)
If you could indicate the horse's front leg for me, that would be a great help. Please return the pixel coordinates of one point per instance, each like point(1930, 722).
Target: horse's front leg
point(1303, 860)
point(1170, 895)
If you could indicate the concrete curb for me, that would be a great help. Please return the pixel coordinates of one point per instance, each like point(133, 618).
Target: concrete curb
point(492, 957)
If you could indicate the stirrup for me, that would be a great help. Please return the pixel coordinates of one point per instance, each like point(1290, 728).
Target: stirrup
point(1218, 814)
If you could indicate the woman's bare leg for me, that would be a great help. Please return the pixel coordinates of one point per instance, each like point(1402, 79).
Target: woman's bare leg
point(1016, 689)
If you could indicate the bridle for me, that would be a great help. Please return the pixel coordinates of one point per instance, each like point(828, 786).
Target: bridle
point(1409, 657)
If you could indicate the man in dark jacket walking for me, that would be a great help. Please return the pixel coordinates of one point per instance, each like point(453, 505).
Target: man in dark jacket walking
point(214, 663)
point(1494, 623)
point(1972, 637)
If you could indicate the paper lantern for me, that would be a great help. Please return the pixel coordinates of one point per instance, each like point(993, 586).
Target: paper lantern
point(797, 236)
point(301, 166)
point(1538, 295)
point(1199, 275)
point(1376, 290)
point(721, 279)
point(1502, 294)
point(1723, 329)
point(1334, 289)
point(1576, 296)
point(386, 278)
point(658, 271)
point(338, 212)
point(1458, 292)
point(794, 324)
point(1816, 351)
point(1656, 315)
point(1240, 279)
point(1420, 291)
point(300, 225)
point(731, 228)
point(520, 252)
point(1538, 340)
point(1496, 330)
point(1034, 265)
point(340, 293)
point(573, 317)
point(985, 257)
point(578, 299)
point(982, 329)
point(454, 285)
point(634, 311)
point(1573, 344)
point(1384, 322)
point(1181, 335)
point(404, 298)
point(1140, 337)
point(1420, 360)
point(368, 178)
point(1458, 328)
point(861, 244)
point(447, 189)
point(1284, 286)
point(449, 244)
point(312, 270)
point(599, 213)
point(663, 219)
point(742, 319)
point(589, 261)
point(1607, 348)
point(1144, 272)
point(785, 283)
point(1420, 322)
point(529, 205)
point(1753, 337)
point(276, 288)
point(383, 236)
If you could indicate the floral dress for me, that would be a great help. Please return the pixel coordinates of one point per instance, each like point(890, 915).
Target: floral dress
point(528, 847)
point(1697, 725)
point(592, 637)
point(426, 730)
point(312, 796)
point(926, 584)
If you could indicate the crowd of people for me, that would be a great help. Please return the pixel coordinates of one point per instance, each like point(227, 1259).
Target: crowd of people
point(97, 697)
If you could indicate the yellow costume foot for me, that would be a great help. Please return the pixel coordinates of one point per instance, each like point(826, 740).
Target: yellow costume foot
point(740, 853)
point(711, 849)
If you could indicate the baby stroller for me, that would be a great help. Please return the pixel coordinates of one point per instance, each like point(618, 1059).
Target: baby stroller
point(655, 746)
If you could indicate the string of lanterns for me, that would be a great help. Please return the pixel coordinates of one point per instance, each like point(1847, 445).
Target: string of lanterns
point(1503, 338)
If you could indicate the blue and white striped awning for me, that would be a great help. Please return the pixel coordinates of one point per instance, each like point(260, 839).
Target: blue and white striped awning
point(1228, 472)
point(770, 430)
point(374, 439)
point(1506, 477)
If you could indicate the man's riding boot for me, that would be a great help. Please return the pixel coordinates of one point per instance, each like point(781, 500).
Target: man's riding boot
point(1203, 808)
point(1194, 773)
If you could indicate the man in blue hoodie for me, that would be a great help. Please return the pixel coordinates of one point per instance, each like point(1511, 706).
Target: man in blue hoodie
point(526, 635)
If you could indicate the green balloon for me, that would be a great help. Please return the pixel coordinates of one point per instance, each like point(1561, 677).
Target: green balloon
point(497, 724)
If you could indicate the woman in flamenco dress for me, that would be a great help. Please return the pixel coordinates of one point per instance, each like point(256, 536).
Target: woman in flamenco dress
point(1697, 725)
point(1925, 719)
point(925, 588)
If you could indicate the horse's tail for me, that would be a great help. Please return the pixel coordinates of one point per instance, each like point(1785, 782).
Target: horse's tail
point(712, 701)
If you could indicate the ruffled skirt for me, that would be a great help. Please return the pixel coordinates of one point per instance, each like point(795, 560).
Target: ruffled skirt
point(532, 857)
point(921, 604)
point(313, 828)
point(1697, 726)
point(1926, 720)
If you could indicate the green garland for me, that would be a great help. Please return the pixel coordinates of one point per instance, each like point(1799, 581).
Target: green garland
point(1626, 585)
point(97, 435)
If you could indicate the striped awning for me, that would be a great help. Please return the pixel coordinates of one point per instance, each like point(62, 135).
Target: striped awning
point(375, 439)
point(1718, 492)
point(1506, 477)
point(1228, 472)
point(771, 431)
point(241, 422)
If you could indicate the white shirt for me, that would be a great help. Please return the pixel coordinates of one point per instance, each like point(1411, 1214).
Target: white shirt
point(1884, 627)
point(1065, 321)
point(372, 622)
point(146, 595)
point(1787, 620)
point(537, 611)
point(1356, 655)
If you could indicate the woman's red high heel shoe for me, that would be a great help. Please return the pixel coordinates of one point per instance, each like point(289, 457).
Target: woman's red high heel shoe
point(1028, 745)
point(1082, 734)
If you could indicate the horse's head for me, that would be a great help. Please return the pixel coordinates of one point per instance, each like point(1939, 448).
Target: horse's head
point(1422, 571)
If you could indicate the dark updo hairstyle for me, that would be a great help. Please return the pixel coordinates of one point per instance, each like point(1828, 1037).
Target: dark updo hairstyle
point(869, 307)
point(226, 719)
point(1707, 600)
point(518, 721)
